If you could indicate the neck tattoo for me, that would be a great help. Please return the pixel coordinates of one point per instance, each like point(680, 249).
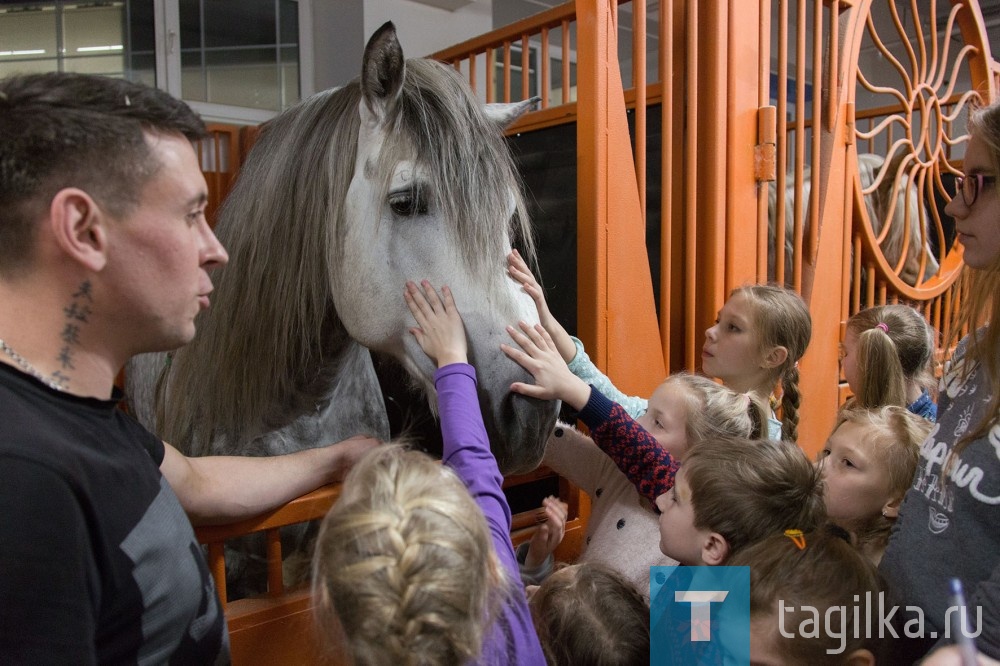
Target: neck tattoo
point(54, 382)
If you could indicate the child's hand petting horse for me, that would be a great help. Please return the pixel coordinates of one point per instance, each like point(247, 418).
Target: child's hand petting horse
point(539, 356)
point(440, 331)
point(518, 269)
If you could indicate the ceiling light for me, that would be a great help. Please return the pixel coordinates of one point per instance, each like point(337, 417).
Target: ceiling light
point(89, 49)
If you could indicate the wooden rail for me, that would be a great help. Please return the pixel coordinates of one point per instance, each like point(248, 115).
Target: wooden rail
point(279, 627)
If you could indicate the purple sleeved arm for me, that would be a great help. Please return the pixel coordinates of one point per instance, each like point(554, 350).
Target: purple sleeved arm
point(467, 451)
point(637, 453)
point(466, 446)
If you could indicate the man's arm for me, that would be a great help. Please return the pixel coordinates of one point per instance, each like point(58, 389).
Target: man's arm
point(224, 489)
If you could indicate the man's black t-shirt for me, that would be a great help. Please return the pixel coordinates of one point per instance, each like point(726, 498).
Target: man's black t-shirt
point(98, 561)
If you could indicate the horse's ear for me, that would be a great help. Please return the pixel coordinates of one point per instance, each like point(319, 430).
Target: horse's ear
point(382, 71)
point(503, 115)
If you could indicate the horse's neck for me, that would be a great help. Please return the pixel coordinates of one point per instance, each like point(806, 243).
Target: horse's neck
point(141, 376)
point(340, 399)
point(349, 402)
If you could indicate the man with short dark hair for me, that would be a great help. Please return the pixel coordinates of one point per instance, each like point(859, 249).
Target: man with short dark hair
point(104, 253)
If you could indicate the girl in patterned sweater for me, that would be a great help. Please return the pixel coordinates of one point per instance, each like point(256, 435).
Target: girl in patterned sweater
point(729, 492)
point(622, 528)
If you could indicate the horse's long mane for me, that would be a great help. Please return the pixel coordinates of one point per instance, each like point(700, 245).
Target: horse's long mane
point(266, 351)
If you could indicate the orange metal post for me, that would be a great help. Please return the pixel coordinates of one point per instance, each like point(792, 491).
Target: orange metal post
point(710, 144)
point(743, 84)
point(617, 314)
point(639, 82)
point(691, 217)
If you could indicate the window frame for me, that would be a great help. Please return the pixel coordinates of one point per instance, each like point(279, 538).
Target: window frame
point(168, 64)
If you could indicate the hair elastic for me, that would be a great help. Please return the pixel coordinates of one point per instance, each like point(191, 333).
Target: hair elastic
point(797, 537)
point(882, 325)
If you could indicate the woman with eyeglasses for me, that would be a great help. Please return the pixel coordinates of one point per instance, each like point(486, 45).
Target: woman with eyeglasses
point(949, 524)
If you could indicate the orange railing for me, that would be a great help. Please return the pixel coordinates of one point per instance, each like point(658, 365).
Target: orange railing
point(279, 627)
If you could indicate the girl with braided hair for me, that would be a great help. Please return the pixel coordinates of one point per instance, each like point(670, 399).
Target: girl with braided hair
point(414, 564)
point(756, 342)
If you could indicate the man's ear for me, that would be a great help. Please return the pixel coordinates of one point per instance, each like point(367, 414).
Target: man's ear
point(714, 550)
point(79, 227)
point(775, 357)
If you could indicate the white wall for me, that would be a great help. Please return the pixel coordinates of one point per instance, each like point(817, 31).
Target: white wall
point(423, 29)
point(341, 29)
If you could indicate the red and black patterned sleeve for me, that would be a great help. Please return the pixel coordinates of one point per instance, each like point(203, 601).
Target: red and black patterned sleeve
point(637, 453)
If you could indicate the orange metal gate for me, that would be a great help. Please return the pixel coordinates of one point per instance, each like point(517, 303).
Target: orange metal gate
point(759, 98)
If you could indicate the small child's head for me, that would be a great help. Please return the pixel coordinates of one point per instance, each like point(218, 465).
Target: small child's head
point(867, 466)
point(404, 567)
point(885, 348)
point(812, 584)
point(590, 614)
point(730, 493)
point(761, 333)
point(686, 409)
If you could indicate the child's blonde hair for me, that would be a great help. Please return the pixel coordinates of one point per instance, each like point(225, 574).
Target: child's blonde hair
point(747, 489)
point(895, 345)
point(404, 562)
point(591, 614)
point(781, 319)
point(715, 411)
point(827, 573)
point(894, 435)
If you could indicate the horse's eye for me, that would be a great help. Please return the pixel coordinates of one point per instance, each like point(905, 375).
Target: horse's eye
point(409, 203)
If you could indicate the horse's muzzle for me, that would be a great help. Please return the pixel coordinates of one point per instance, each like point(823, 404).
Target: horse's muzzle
point(519, 432)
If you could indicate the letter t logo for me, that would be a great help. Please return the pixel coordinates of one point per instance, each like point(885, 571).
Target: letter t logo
point(701, 605)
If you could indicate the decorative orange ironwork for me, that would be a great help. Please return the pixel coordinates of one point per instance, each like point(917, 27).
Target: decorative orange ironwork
point(919, 71)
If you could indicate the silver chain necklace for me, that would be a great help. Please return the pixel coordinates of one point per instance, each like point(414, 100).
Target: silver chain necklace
point(54, 383)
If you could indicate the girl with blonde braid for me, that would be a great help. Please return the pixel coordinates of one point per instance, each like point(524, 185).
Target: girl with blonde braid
point(756, 343)
point(414, 564)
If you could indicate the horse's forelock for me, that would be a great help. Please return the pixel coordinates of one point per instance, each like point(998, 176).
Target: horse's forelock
point(469, 160)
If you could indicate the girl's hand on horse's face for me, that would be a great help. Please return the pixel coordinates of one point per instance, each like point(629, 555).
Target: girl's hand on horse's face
point(519, 270)
point(539, 356)
point(440, 331)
